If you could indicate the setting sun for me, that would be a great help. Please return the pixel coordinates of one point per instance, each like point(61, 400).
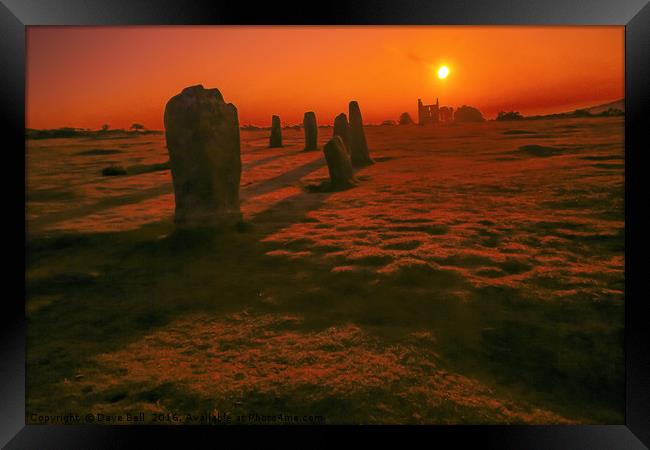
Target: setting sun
point(69, 83)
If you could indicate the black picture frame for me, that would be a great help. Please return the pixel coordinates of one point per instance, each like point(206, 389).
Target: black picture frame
point(15, 15)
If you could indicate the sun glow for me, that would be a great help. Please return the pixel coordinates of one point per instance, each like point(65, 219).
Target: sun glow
point(443, 72)
point(90, 91)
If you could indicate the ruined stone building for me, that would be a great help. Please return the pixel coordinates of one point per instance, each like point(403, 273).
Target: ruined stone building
point(428, 114)
point(446, 114)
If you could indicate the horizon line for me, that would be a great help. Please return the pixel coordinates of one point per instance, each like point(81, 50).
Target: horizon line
point(328, 124)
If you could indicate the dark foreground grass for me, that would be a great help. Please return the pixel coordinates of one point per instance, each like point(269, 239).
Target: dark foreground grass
point(97, 294)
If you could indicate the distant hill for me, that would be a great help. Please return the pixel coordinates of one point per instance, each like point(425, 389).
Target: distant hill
point(598, 109)
point(615, 108)
point(618, 104)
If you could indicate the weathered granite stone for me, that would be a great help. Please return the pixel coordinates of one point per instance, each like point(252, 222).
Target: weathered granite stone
point(276, 133)
point(358, 146)
point(311, 130)
point(342, 128)
point(202, 133)
point(339, 164)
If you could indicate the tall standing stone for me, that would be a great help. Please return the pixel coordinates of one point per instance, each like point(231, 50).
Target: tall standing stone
point(358, 146)
point(276, 133)
point(311, 130)
point(341, 128)
point(202, 133)
point(339, 164)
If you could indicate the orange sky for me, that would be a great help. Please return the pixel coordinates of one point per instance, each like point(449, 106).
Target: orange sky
point(88, 76)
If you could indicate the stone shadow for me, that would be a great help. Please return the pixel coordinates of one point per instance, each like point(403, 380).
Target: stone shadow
point(263, 187)
point(100, 291)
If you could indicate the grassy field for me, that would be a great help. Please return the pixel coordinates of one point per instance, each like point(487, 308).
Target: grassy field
point(475, 275)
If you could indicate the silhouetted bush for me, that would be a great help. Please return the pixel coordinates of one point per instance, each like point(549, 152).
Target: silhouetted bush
point(581, 113)
point(511, 115)
point(405, 119)
point(468, 114)
point(250, 127)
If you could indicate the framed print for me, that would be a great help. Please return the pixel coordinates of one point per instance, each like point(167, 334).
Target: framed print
point(378, 217)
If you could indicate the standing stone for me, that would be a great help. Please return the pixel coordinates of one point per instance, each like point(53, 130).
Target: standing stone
point(358, 146)
point(276, 133)
point(341, 128)
point(311, 130)
point(202, 133)
point(339, 164)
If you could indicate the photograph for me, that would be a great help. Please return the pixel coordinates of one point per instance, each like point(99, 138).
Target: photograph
point(325, 225)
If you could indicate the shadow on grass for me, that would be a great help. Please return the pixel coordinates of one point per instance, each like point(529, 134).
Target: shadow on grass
point(95, 293)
